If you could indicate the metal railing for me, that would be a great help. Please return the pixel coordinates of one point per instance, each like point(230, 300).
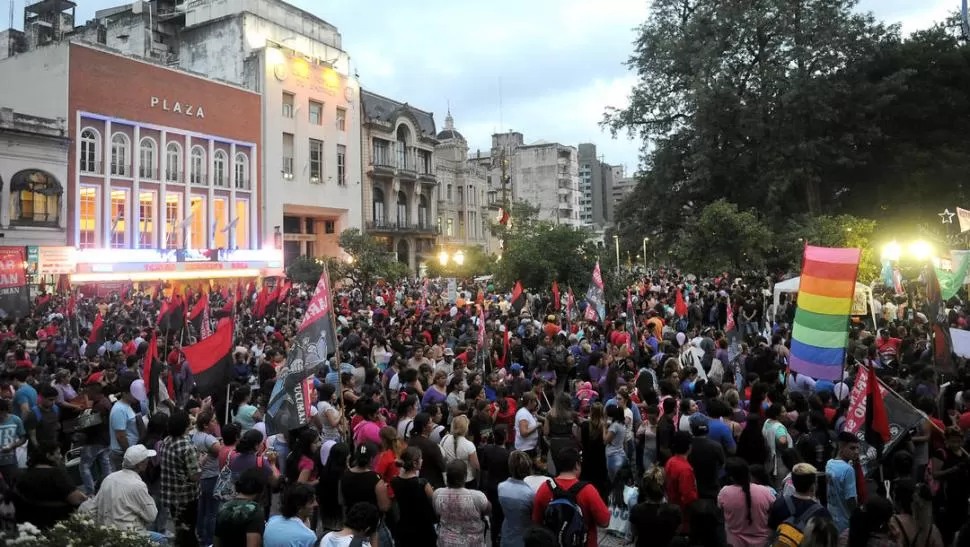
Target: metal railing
point(386, 226)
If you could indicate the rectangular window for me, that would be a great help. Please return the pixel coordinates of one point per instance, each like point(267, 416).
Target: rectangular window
point(119, 218)
point(451, 228)
point(287, 105)
point(199, 223)
point(316, 160)
point(220, 211)
point(382, 153)
point(173, 216)
point(329, 226)
point(316, 113)
point(341, 165)
point(146, 220)
point(287, 156)
point(308, 225)
point(241, 235)
point(341, 119)
point(88, 207)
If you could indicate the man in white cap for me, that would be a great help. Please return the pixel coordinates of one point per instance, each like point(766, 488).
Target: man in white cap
point(123, 499)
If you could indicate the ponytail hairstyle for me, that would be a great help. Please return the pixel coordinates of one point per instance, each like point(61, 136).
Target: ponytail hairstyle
point(652, 484)
point(737, 469)
point(406, 404)
point(363, 455)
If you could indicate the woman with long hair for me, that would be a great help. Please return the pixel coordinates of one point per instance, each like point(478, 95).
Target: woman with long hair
point(559, 425)
point(241, 411)
point(437, 392)
point(361, 483)
point(869, 525)
point(615, 440)
point(407, 409)
point(386, 464)
point(415, 525)
point(302, 463)
point(751, 443)
point(912, 525)
point(45, 493)
point(363, 520)
point(745, 507)
point(456, 446)
point(328, 500)
point(328, 416)
point(592, 439)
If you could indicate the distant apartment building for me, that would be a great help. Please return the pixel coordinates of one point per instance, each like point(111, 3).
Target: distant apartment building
point(462, 187)
point(622, 187)
point(596, 185)
point(400, 185)
point(543, 174)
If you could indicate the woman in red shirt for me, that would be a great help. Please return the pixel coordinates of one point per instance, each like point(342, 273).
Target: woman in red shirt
point(386, 463)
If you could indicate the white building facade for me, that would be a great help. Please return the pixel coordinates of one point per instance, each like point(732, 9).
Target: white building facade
point(400, 185)
point(462, 200)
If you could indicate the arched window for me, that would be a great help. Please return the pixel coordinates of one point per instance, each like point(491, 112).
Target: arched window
point(35, 198)
point(378, 207)
point(147, 167)
point(173, 162)
point(424, 218)
point(402, 209)
point(241, 165)
point(120, 155)
point(198, 165)
point(219, 171)
point(403, 138)
point(90, 151)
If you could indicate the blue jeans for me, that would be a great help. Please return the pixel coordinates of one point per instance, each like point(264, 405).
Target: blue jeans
point(91, 454)
point(613, 464)
point(208, 507)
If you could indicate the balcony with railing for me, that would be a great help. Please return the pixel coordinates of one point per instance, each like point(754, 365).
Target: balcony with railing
point(173, 175)
point(91, 168)
point(385, 226)
point(407, 162)
point(147, 172)
point(120, 169)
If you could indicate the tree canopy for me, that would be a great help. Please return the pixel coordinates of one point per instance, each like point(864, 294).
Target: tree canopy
point(789, 110)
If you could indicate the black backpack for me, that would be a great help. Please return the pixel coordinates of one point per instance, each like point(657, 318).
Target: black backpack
point(564, 516)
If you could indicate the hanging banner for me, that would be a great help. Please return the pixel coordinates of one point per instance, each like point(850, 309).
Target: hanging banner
point(316, 339)
point(55, 260)
point(452, 290)
point(963, 216)
point(14, 300)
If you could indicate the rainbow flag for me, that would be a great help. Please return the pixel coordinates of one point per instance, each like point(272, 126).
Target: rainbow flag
point(825, 295)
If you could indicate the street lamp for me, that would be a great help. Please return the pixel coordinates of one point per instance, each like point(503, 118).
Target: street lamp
point(645, 240)
point(920, 250)
point(459, 257)
point(616, 242)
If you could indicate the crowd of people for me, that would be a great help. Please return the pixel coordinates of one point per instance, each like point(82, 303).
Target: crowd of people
point(674, 421)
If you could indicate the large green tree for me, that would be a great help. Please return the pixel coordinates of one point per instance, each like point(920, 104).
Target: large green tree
point(368, 260)
point(723, 238)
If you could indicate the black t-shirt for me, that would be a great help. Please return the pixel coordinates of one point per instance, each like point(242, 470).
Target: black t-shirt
point(779, 510)
point(47, 426)
point(495, 466)
point(236, 519)
point(417, 517)
point(359, 487)
point(43, 496)
point(707, 458)
point(655, 524)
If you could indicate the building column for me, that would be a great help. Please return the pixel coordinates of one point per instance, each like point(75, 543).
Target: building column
point(160, 210)
point(231, 205)
point(106, 212)
point(131, 226)
point(257, 214)
point(187, 195)
point(210, 200)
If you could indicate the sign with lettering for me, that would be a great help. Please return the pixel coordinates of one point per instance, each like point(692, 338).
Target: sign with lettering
point(177, 107)
point(55, 260)
point(14, 300)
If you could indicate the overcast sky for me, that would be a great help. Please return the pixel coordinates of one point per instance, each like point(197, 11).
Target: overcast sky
point(556, 64)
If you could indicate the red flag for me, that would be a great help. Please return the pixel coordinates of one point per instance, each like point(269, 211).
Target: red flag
point(729, 325)
point(570, 303)
point(200, 305)
point(284, 292)
point(680, 307)
point(43, 285)
point(501, 361)
point(149, 359)
point(210, 359)
point(96, 329)
point(504, 217)
point(877, 421)
point(555, 295)
point(63, 284)
point(259, 308)
point(518, 297)
point(71, 305)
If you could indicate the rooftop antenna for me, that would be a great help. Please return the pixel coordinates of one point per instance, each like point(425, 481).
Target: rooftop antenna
point(11, 13)
point(501, 126)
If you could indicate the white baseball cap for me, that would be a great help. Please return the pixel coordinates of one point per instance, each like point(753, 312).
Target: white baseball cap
point(137, 454)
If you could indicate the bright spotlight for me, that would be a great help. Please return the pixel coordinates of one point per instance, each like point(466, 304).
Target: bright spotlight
point(443, 258)
point(459, 258)
point(891, 251)
point(920, 250)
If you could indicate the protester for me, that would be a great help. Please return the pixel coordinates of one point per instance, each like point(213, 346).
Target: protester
point(123, 499)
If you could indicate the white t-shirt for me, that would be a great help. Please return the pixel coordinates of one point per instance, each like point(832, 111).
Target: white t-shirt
point(464, 449)
point(530, 442)
point(333, 540)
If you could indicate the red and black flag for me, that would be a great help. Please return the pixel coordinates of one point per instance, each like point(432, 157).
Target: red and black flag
point(197, 315)
point(518, 297)
point(289, 403)
point(259, 307)
point(96, 338)
point(171, 318)
point(877, 420)
point(942, 348)
point(284, 292)
point(501, 361)
point(556, 302)
point(272, 301)
point(211, 359)
point(151, 369)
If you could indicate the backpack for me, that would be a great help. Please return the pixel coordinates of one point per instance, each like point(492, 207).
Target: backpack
point(564, 516)
point(791, 531)
point(225, 488)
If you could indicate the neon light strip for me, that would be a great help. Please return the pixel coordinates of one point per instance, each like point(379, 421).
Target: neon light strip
point(153, 276)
